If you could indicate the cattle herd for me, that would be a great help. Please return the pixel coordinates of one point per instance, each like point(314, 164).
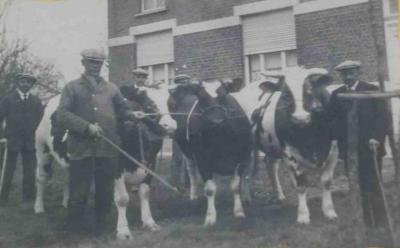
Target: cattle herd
point(218, 134)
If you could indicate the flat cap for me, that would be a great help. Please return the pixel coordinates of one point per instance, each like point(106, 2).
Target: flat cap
point(93, 54)
point(140, 71)
point(27, 75)
point(272, 77)
point(227, 80)
point(318, 71)
point(182, 78)
point(348, 64)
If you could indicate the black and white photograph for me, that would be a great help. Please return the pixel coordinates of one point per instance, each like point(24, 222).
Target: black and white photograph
point(199, 124)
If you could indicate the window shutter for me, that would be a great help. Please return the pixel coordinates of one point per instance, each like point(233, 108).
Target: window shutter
point(269, 32)
point(155, 48)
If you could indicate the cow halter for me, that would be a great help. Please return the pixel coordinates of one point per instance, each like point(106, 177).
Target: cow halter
point(188, 120)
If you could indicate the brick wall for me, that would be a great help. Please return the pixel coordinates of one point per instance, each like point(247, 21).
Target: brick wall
point(122, 14)
point(122, 62)
point(210, 54)
point(328, 37)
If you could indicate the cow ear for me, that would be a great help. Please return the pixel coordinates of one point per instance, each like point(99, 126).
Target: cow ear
point(325, 80)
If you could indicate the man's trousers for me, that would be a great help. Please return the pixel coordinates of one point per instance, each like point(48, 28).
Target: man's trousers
point(28, 174)
point(82, 173)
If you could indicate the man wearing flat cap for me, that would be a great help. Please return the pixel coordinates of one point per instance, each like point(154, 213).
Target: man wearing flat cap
point(22, 112)
point(373, 128)
point(90, 108)
point(140, 139)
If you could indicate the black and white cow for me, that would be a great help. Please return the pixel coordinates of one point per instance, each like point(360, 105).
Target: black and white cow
point(294, 131)
point(215, 135)
point(50, 145)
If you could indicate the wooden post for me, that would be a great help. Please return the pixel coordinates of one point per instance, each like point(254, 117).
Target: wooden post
point(352, 163)
point(357, 219)
point(381, 56)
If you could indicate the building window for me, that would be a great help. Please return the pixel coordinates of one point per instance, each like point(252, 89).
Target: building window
point(160, 74)
point(273, 61)
point(393, 6)
point(255, 68)
point(149, 5)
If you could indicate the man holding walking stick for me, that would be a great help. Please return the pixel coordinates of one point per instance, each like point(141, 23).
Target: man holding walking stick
point(90, 108)
point(22, 112)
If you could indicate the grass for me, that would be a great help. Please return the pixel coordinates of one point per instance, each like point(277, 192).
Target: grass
point(268, 225)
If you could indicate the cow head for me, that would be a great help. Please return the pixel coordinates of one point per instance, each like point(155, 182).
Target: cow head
point(307, 88)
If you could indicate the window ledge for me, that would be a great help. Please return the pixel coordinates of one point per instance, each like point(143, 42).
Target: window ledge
point(151, 11)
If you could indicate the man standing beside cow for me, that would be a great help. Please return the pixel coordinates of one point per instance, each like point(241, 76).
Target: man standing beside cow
point(21, 111)
point(91, 107)
point(373, 123)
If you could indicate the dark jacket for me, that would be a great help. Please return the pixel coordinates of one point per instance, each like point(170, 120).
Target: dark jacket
point(83, 102)
point(372, 118)
point(21, 118)
point(139, 101)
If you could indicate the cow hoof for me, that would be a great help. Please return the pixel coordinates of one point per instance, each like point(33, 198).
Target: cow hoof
point(239, 214)
point(152, 227)
point(281, 198)
point(331, 215)
point(124, 235)
point(38, 209)
point(304, 220)
point(209, 222)
point(194, 197)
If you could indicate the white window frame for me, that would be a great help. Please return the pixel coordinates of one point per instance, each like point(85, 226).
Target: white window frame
point(388, 14)
point(262, 63)
point(143, 10)
point(167, 78)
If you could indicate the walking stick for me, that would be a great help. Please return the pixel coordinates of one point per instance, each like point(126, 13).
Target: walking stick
point(3, 167)
point(141, 165)
point(382, 192)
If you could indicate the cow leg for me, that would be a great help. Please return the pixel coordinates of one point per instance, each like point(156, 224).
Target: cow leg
point(192, 172)
point(326, 180)
point(44, 159)
point(273, 174)
point(210, 190)
point(237, 202)
point(65, 199)
point(247, 180)
point(121, 199)
point(147, 217)
point(303, 213)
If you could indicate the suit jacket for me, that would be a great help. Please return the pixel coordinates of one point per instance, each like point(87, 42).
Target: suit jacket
point(372, 119)
point(21, 118)
point(85, 101)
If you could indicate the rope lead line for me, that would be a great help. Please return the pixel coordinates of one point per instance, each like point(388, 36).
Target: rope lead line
point(141, 165)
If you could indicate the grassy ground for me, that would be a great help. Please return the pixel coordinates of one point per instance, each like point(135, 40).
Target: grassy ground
point(268, 225)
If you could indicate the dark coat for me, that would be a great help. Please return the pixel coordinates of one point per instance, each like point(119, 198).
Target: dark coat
point(22, 117)
point(85, 102)
point(372, 116)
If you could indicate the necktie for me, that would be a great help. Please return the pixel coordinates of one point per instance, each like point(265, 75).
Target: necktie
point(25, 97)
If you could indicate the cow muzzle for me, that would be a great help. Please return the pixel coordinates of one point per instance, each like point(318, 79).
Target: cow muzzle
point(168, 124)
point(301, 119)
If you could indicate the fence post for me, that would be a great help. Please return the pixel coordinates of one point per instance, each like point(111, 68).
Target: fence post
point(357, 219)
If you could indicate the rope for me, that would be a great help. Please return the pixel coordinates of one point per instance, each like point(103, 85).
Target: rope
point(141, 165)
point(4, 164)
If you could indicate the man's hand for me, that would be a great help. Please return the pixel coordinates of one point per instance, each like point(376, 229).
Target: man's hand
point(139, 114)
point(95, 130)
point(373, 144)
point(3, 140)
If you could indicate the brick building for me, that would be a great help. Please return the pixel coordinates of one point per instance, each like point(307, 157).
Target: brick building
point(240, 38)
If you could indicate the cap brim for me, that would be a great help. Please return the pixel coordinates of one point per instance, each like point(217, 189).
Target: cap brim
point(94, 59)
